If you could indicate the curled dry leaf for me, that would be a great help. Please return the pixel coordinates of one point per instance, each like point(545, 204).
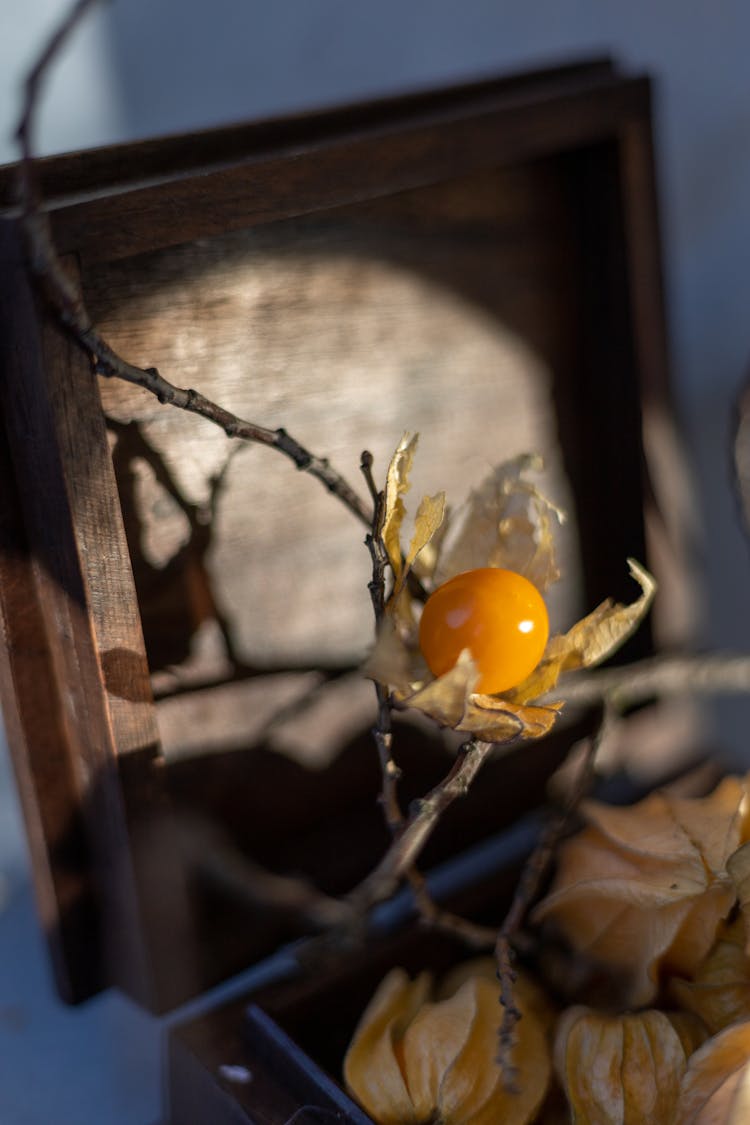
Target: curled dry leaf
point(423, 1057)
point(623, 1069)
point(719, 990)
point(716, 1087)
point(507, 522)
point(644, 889)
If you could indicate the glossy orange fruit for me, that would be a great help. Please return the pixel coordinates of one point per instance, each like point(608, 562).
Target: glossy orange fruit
point(497, 614)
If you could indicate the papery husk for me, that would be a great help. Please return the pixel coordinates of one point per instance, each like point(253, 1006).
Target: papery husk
point(446, 1055)
point(644, 889)
point(715, 1089)
point(719, 990)
point(507, 522)
point(372, 1070)
point(397, 484)
point(623, 1069)
point(429, 517)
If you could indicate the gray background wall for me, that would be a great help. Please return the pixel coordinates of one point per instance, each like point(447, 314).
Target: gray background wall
point(141, 67)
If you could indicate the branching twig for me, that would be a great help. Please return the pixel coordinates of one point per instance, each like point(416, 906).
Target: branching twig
point(67, 301)
point(417, 829)
point(526, 891)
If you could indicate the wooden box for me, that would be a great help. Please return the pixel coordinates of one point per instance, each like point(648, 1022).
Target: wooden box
point(182, 623)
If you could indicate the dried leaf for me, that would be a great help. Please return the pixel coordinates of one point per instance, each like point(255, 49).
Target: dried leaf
point(494, 719)
point(599, 635)
point(716, 1087)
point(428, 519)
point(619, 1070)
point(396, 485)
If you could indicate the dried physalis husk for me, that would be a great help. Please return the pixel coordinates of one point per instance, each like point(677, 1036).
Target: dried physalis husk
point(643, 890)
point(716, 1087)
point(623, 1069)
point(418, 1059)
point(719, 989)
point(506, 523)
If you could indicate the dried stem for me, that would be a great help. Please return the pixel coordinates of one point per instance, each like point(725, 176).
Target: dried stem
point(67, 302)
point(526, 891)
point(659, 676)
point(417, 829)
point(382, 731)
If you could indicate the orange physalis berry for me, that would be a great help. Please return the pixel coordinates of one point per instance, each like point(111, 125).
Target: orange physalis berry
point(497, 614)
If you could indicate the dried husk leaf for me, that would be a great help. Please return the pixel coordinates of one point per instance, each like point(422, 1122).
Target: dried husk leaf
point(677, 829)
point(371, 1067)
point(716, 1087)
point(448, 1055)
point(620, 1069)
point(396, 485)
point(429, 517)
point(719, 991)
point(506, 522)
point(495, 719)
point(591, 640)
point(644, 889)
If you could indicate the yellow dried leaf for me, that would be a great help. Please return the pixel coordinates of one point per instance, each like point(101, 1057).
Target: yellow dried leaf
point(447, 1052)
point(396, 485)
point(719, 990)
point(444, 698)
point(429, 517)
point(716, 1087)
point(494, 719)
point(599, 635)
point(644, 889)
point(620, 1069)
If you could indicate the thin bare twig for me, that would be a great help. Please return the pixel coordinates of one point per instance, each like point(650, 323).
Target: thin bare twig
point(659, 676)
point(382, 731)
point(526, 891)
point(411, 840)
point(67, 301)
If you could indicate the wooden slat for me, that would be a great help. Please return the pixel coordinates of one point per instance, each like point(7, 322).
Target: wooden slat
point(117, 167)
point(81, 673)
point(343, 168)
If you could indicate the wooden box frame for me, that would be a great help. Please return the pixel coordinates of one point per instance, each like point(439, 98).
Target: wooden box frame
point(74, 678)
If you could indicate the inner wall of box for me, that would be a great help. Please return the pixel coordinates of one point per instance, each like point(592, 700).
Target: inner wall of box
point(450, 311)
point(444, 311)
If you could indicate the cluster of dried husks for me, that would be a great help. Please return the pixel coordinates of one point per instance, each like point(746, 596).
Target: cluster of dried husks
point(648, 923)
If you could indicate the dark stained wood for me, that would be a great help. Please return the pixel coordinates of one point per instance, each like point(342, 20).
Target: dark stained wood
point(74, 668)
point(115, 167)
point(342, 166)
